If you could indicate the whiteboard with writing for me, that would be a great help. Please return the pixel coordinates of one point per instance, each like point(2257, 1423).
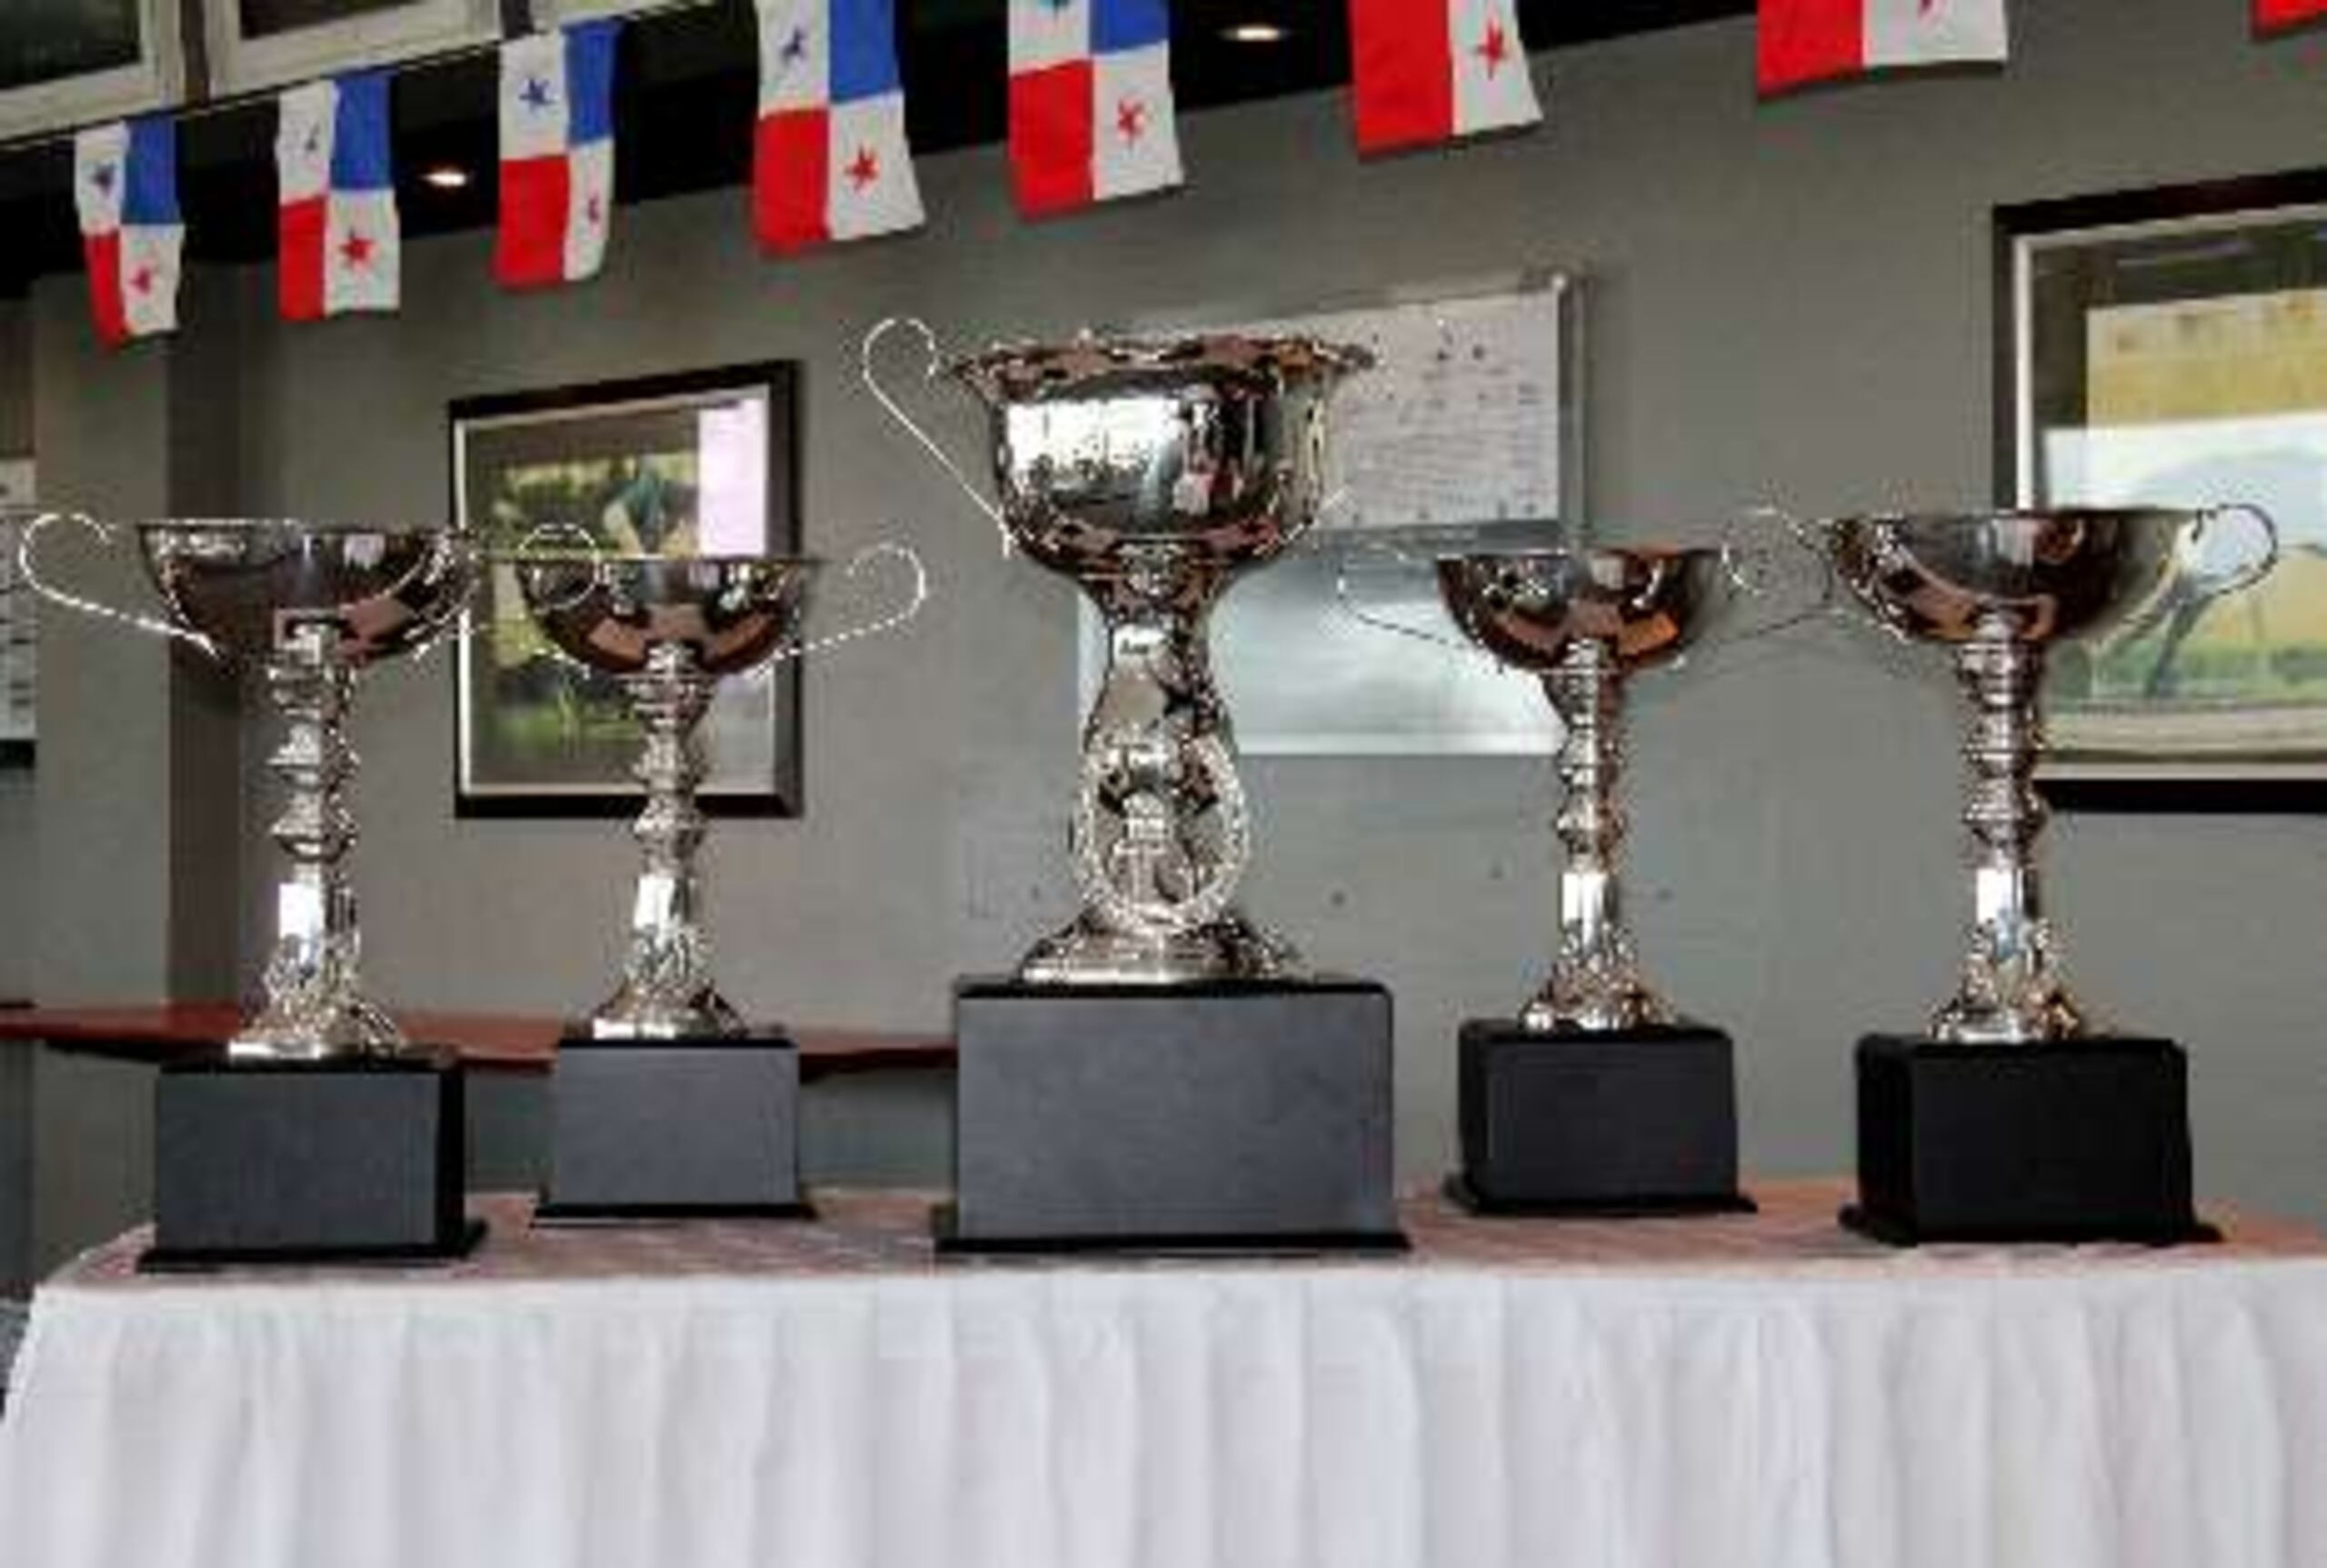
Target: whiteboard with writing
point(1467, 417)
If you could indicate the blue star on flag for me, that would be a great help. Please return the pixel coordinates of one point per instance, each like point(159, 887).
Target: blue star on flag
point(796, 48)
point(535, 94)
point(102, 177)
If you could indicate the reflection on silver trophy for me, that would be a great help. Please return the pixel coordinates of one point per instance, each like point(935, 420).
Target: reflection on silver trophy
point(1582, 620)
point(670, 628)
point(1153, 474)
point(312, 607)
point(1998, 587)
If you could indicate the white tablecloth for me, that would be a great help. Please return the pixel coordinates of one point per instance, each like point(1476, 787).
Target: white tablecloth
point(1737, 1393)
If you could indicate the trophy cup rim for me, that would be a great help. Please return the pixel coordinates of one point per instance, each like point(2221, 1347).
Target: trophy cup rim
point(645, 558)
point(1643, 552)
point(1033, 370)
point(151, 527)
point(1970, 517)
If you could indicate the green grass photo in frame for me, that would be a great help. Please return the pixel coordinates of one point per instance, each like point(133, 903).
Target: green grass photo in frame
point(701, 463)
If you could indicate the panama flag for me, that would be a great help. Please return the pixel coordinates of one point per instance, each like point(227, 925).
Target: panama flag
point(1427, 71)
point(830, 161)
point(2269, 15)
point(340, 242)
point(1091, 114)
point(1817, 40)
point(557, 154)
point(126, 184)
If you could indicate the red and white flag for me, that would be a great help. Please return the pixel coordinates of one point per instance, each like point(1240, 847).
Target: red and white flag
point(830, 161)
point(557, 154)
point(339, 245)
point(2269, 15)
point(1804, 40)
point(1426, 71)
point(125, 185)
point(1091, 113)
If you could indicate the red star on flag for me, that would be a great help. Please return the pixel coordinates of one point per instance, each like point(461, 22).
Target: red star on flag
point(593, 212)
point(864, 169)
point(1495, 48)
point(142, 280)
point(355, 251)
point(1131, 119)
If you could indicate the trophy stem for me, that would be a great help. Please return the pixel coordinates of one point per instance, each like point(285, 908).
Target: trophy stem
point(315, 1006)
point(1161, 836)
point(2010, 989)
point(1596, 983)
point(666, 990)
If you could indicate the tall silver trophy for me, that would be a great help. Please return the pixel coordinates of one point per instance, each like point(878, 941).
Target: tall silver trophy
point(2080, 1132)
point(668, 1102)
point(1112, 1090)
point(1600, 1096)
point(323, 1132)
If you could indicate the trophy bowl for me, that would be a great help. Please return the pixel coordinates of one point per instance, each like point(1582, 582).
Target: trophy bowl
point(245, 587)
point(1999, 588)
point(1151, 472)
point(728, 614)
point(1529, 607)
point(1210, 449)
point(2023, 576)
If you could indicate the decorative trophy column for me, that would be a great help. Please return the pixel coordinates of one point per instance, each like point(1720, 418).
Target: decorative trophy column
point(1599, 1097)
point(318, 1131)
point(1161, 1069)
point(2014, 1117)
point(665, 1101)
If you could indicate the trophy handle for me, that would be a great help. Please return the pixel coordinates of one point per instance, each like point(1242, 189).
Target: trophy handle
point(26, 563)
point(887, 549)
point(1752, 567)
point(1346, 597)
point(933, 365)
point(2265, 560)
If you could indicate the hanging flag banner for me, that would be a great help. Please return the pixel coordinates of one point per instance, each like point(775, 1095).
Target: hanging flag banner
point(557, 154)
point(126, 184)
point(1426, 71)
point(1091, 113)
point(830, 161)
point(1803, 41)
point(340, 242)
point(2271, 15)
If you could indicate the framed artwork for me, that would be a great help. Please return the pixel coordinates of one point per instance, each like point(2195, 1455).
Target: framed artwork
point(707, 463)
point(268, 43)
point(69, 62)
point(1468, 426)
point(2169, 347)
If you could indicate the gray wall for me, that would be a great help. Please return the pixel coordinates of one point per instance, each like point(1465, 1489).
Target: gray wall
point(1788, 301)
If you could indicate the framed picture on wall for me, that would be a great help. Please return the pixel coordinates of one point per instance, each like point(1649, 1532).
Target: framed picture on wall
point(267, 43)
point(702, 463)
point(69, 62)
point(2169, 347)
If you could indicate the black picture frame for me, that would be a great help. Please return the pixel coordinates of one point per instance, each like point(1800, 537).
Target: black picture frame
point(2234, 786)
point(586, 410)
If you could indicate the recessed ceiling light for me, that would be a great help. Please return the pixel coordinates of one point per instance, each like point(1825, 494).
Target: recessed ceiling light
point(1254, 32)
point(446, 177)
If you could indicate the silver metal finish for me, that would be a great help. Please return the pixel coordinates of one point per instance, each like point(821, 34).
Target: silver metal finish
point(1583, 620)
point(1152, 474)
point(670, 628)
point(1999, 588)
point(312, 607)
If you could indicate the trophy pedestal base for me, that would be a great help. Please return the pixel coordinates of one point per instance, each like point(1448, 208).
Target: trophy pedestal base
point(669, 1129)
point(1234, 1116)
point(1633, 1121)
point(2069, 1140)
point(352, 1161)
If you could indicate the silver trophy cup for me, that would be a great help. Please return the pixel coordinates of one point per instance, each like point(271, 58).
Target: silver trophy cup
point(670, 628)
point(1153, 474)
point(312, 607)
point(1998, 588)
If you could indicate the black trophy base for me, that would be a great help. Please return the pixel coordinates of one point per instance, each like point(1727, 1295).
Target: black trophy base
point(1250, 1117)
point(306, 1162)
point(652, 1130)
point(1632, 1123)
point(2069, 1140)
